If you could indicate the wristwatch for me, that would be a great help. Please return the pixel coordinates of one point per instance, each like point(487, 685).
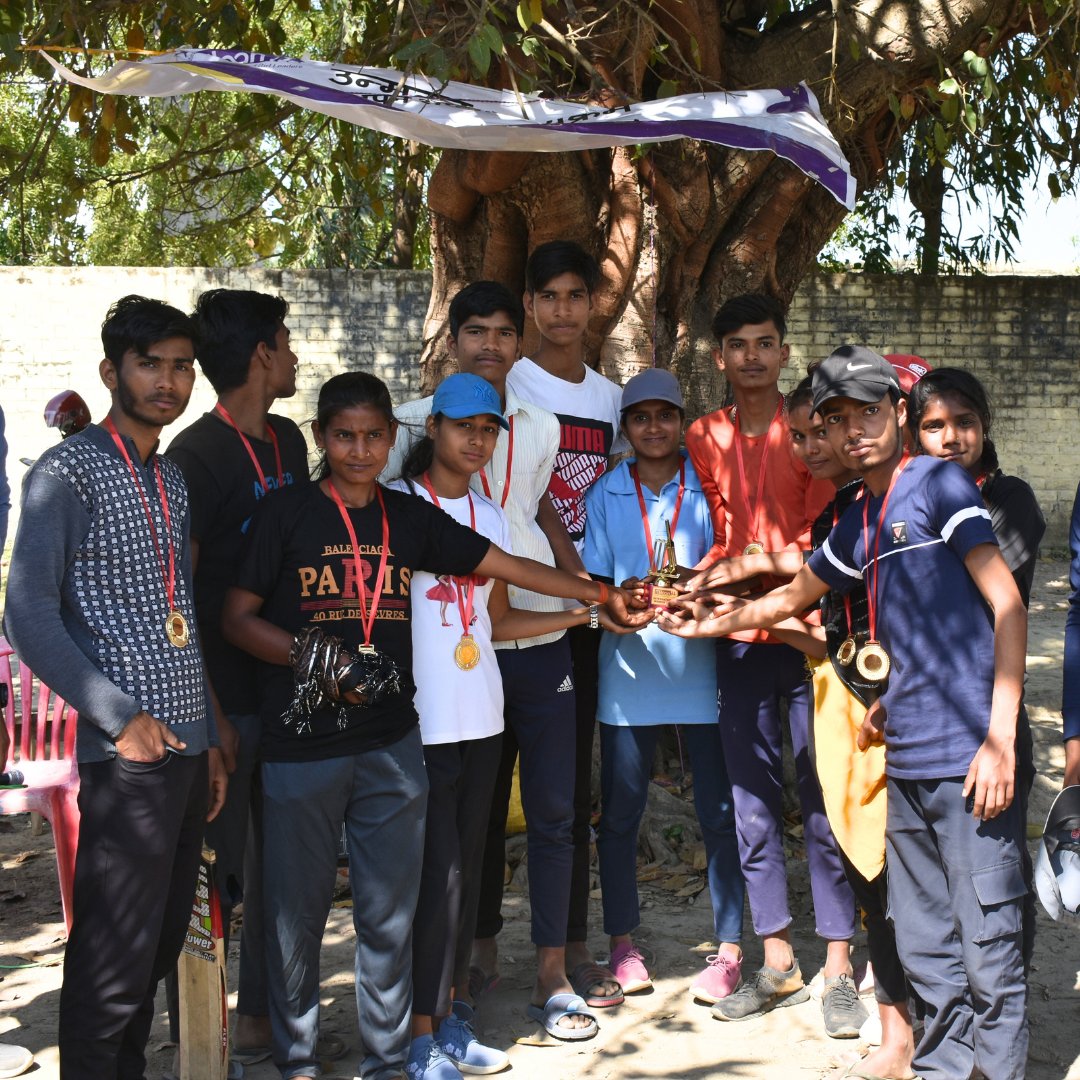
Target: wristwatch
point(594, 616)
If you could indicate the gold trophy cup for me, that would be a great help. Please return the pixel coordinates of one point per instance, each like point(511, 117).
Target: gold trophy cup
point(659, 591)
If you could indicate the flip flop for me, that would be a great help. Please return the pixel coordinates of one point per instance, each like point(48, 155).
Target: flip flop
point(589, 974)
point(855, 1073)
point(480, 982)
point(555, 1008)
point(250, 1055)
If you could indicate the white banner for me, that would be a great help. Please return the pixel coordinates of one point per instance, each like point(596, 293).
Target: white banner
point(462, 117)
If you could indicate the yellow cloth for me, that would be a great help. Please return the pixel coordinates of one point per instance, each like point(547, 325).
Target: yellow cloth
point(852, 781)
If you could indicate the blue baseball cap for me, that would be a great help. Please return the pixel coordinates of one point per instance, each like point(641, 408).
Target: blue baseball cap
point(461, 395)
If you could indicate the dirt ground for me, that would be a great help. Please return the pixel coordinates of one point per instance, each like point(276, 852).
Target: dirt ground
point(657, 1034)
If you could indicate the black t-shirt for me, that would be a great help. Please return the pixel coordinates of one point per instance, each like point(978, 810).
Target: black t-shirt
point(224, 490)
point(299, 560)
point(1018, 525)
point(849, 616)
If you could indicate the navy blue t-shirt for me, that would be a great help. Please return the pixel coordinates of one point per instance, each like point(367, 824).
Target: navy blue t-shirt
point(931, 617)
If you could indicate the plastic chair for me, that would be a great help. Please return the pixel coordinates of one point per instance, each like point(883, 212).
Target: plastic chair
point(43, 750)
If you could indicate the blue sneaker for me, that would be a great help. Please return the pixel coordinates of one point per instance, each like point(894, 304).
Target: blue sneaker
point(428, 1062)
point(459, 1043)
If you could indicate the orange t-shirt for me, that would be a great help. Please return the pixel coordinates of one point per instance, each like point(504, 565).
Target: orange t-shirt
point(791, 499)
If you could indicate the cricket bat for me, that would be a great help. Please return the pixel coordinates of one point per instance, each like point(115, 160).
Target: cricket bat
point(204, 1010)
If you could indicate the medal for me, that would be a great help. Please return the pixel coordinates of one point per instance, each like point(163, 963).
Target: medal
point(755, 547)
point(663, 565)
point(846, 653)
point(176, 627)
point(873, 662)
point(467, 653)
point(367, 616)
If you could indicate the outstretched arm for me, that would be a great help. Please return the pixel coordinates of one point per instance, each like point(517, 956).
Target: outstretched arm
point(786, 602)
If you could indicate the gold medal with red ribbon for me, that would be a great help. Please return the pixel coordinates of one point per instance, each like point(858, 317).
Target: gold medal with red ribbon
point(756, 547)
point(176, 627)
point(466, 651)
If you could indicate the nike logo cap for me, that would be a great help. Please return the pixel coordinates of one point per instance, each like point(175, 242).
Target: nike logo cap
point(856, 372)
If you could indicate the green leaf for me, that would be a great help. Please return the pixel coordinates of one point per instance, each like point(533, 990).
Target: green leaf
point(941, 139)
point(948, 86)
point(479, 54)
point(492, 38)
point(524, 14)
point(1054, 184)
point(950, 109)
point(854, 48)
point(668, 88)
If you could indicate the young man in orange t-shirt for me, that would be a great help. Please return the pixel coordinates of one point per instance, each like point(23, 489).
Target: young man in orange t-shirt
point(763, 503)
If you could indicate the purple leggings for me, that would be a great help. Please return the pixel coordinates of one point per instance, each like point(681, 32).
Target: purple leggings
point(751, 680)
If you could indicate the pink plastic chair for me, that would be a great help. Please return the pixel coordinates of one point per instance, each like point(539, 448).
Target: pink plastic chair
point(43, 750)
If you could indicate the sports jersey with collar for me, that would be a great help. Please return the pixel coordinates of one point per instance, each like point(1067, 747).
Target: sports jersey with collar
point(931, 617)
point(639, 671)
point(527, 473)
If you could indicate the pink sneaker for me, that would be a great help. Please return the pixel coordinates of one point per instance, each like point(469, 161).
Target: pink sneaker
point(628, 967)
point(719, 979)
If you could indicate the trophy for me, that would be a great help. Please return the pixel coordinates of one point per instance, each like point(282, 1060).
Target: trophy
point(665, 572)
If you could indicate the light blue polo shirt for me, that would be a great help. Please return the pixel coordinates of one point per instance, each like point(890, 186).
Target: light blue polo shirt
point(649, 677)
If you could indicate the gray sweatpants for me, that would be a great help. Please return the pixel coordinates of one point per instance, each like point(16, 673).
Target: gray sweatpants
point(956, 891)
point(381, 796)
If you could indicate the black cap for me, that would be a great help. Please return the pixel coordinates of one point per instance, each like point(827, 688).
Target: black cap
point(856, 372)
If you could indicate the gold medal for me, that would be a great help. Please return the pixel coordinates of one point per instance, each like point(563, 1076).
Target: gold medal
point(754, 548)
point(467, 653)
point(873, 662)
point(846, 653)
point(176, 629)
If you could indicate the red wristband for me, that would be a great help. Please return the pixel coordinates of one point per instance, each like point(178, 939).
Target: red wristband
point(603, 598)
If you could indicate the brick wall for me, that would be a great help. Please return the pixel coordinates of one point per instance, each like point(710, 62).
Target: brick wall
point(1021, 335)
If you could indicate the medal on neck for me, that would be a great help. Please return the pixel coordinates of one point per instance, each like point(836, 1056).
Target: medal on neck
point(367, 615)
point(846, 653)
point(663, 565)
point(466, 651)
point(755, 547)
point(872, 661)
point(176, 626)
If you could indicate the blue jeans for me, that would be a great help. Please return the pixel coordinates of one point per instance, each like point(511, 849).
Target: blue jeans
point(625, 768)
point(381, 796)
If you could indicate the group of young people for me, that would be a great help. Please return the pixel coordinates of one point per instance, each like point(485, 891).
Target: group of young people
point(475, 579)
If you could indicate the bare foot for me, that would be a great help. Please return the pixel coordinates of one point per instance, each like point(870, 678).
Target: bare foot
point(251, 1031)
point(886, 1062)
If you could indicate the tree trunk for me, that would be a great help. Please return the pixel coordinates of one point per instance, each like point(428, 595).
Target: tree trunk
point(680, 227)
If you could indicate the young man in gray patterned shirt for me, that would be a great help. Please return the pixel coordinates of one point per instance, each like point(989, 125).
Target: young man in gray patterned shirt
point(99, 604)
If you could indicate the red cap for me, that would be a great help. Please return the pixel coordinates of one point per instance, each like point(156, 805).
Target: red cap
point(909, 369)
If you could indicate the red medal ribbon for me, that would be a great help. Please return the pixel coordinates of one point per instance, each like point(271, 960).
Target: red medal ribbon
point(465, 593)
point(168, 576)
point(224, 414)
point(871, 592)
point(509, 469)
point(645, 512)
point(753, 511)
point(367, 619)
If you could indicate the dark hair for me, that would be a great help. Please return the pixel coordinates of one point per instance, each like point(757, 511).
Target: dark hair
point(346, 391)
point(137, 323)
point(748, 310)
point(484, 298)
point(231, 324)
point(803, 394)
point(557, 257)
point(950, 380)
point(420, 458)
